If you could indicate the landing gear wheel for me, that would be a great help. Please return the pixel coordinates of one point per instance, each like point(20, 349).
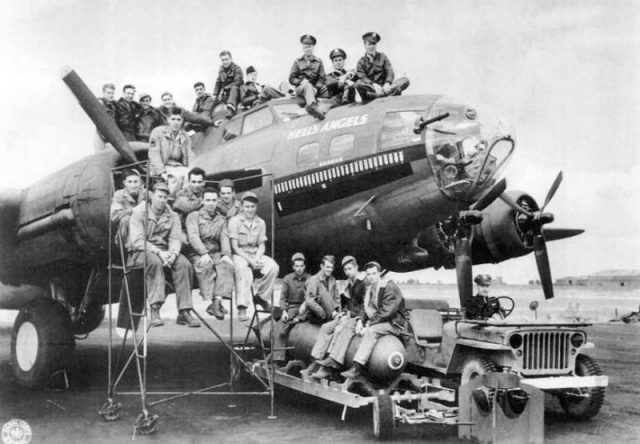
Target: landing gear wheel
point(146, 423)
point(41, 343)
point(384, 417)
point(585, 403)
point(110, 411)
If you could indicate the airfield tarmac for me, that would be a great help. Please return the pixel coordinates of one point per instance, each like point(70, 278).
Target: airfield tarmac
point(183, 359)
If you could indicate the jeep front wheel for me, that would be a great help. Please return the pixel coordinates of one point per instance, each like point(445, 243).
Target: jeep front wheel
point(475, 367)
point(584, 403)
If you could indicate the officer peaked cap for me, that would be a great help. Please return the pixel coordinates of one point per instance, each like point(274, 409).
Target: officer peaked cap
point(347, 259)
point(373, 264)
point(250, 69)
point(372, 37)
point(308, 39)
point(337, 53)
point(483, 279)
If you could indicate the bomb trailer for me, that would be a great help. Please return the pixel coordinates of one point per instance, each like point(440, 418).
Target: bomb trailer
point(488, 379)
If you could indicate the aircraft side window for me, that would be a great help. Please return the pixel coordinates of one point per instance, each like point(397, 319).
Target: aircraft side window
point(397, 129)
point(256, 120)
point(341, 146)
point(232, 129)
point(309, 153)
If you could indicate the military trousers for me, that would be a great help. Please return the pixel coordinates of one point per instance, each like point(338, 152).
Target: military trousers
point(215, 279)
point(368, 93)
point(371, 335)
point(342, 337)
point(327, 332)
point(280, 334)
point(262, 284)
point(181, 275)
point(308, 92)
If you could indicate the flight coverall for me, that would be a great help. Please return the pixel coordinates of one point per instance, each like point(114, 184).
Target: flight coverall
point(170, 153)
point(127, 117)
point(162, 234)
point(322, 303)
point(203, 107)
point(122, 205)
point(345, 331)
point(228, 82)
point(338, 91)
point(384, 313)
point(203, 232)
point(249, 235)
point(311, 69)
point(378, 70)
point(252, 94)
point(291, 298)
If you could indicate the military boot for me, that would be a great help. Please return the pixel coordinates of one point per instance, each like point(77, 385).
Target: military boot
point(184, 318)
point(314, 111)
point(154, 316)
point(215, 309)
point(353, 372)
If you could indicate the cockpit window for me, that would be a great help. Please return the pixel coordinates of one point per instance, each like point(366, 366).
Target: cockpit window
point(289, 111)
point(397, 129)
point(256, 120)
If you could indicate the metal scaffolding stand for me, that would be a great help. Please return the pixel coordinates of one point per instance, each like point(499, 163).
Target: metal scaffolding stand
point(146, 421)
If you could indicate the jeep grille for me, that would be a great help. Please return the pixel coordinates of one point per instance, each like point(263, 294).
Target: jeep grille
point(545, 351)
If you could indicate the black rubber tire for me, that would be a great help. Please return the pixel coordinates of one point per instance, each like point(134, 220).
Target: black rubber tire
point(384, 418)
point(587, 408)
point(55, 342)
point(475, 367)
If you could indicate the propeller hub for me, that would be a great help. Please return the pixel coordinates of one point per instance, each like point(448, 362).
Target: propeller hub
point(470, 217)
point(545, 218)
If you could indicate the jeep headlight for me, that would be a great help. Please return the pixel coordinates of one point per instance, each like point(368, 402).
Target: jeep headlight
point(515, 341)
point(577, 340)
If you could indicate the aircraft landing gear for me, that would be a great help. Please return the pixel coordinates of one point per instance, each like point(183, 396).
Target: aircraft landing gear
point(146, 423)
point(42, 342)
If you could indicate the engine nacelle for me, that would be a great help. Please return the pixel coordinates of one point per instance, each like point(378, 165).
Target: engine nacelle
point(500, 235)
point(388, 359)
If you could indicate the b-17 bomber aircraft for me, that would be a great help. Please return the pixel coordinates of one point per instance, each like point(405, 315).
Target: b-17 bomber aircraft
point(409, 181)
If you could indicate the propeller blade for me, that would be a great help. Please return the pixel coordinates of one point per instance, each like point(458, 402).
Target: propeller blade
point(513, 204)
point(487, 199)
point(463, 269)
point(552, 190)
point(552, 234)
point(97, 114)
point(544, 269)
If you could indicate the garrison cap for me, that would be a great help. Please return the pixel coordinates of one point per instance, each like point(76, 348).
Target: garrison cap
point(373, 264)
point(329, 258)
point(347, 259)
point(297, 257)
point(161, 185)
point(250, 196)
point(337, 53)
point(143, 96)
point(308, 39)
point(483, 279)
point(226, 183)
point(250, 69)
point(372, 37)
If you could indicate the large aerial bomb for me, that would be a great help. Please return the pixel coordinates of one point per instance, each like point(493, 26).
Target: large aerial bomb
point(387, 360)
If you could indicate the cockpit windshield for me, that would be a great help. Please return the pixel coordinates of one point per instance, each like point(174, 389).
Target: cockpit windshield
point(467, 149)
point(289, 111)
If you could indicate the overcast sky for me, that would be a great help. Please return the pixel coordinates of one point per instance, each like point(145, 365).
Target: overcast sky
point(565, 74)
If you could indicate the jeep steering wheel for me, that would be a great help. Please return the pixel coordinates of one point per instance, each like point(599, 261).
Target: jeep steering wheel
point(506, 311)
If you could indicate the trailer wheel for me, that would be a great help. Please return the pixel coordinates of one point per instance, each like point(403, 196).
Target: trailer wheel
point(41, 343)
point(588, 407)
point(384, 417)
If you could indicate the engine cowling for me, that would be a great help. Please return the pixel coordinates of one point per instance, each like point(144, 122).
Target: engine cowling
point(502, 234)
